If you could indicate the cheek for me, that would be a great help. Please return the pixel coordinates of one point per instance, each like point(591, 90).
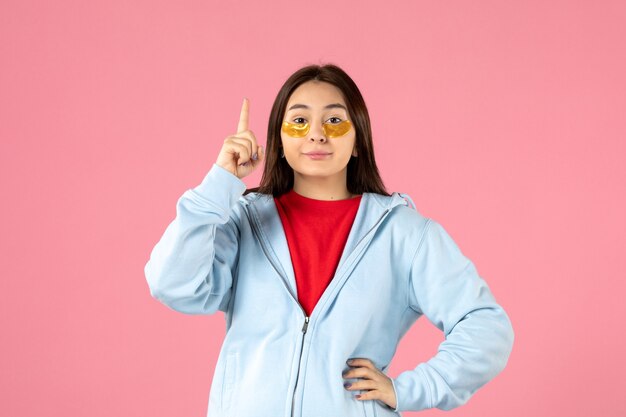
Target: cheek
point(284, 141)
point(348, 142)
point(290, 145)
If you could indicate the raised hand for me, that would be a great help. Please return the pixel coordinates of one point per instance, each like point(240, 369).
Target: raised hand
point(240, 153)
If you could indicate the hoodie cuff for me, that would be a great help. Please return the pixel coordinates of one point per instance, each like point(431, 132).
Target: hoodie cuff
point(395, 392)
point(220, 187)
point(412, 391)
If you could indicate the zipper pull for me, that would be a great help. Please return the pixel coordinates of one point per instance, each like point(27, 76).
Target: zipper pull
point(306, 324)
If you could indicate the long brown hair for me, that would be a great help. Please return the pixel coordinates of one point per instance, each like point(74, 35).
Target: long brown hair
point(362, 175)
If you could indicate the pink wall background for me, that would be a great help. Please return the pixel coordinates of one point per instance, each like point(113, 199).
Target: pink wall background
point(503, 120)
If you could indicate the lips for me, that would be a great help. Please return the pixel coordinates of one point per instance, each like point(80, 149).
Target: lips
point(317, 153)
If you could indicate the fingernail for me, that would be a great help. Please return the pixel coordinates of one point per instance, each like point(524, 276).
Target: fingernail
point(255, 156)
point(347, 385)
point(358, 396)
point(349, 361)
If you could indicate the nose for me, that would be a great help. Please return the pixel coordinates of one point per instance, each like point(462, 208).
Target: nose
point(317, 133)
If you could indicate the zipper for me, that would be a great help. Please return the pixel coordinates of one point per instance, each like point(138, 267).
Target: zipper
point(257, 231)
point(293, 397)
point(255, 228)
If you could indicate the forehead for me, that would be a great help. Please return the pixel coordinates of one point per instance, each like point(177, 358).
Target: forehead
point(316, 94)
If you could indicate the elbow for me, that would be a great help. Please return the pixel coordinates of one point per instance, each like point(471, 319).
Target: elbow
point(509, 339)
point(502, 345)
point(155, 291)
point(158, 285)
point(182, 298)
point(153, 280)
point(495, 341)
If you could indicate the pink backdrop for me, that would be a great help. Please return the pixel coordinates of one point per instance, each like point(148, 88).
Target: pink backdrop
point(503, 120)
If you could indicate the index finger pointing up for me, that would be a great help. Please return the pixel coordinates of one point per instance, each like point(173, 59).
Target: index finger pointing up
point(243, 117)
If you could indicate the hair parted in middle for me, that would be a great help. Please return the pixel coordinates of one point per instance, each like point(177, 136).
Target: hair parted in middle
point(362, 174)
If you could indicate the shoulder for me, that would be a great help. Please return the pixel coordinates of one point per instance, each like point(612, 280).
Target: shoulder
point(262, 203)
point(404, 216)
point(254, 197)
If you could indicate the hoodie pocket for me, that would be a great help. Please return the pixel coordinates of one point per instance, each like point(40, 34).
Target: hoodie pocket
point(228, 380)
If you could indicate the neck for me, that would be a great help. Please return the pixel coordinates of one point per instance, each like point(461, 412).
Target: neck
point(322, 188)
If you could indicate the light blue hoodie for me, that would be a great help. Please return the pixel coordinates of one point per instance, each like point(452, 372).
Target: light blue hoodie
point(228, 251)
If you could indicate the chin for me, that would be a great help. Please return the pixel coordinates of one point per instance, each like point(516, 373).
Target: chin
point(317, 172)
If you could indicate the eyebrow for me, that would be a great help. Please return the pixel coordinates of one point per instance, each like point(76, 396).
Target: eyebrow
point(330, 106)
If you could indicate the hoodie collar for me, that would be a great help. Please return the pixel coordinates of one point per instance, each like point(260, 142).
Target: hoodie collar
point(372, 208)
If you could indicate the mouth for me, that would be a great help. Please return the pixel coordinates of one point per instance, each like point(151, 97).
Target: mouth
point(318, 155)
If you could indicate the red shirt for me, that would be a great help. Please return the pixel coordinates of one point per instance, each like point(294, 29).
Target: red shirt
point(316, 231)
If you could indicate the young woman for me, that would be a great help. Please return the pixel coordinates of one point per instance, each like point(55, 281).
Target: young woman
point(318, 266)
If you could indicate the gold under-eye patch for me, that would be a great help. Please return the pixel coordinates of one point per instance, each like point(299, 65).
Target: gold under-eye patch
point(296, 130)
point(300, 130)
point(335, 130)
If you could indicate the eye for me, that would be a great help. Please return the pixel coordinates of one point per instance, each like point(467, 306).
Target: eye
point(337, 120)
point(299, 118)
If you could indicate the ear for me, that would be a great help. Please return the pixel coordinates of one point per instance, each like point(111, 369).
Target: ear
point(354, 152)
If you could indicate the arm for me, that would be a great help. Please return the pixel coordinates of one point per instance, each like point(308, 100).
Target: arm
point(445, 286)
point(191, 267)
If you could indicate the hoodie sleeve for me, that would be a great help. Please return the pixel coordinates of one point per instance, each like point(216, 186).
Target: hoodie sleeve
point(445, 286)
point(191, 267)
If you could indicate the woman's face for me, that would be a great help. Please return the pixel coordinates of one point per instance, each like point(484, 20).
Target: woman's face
point(316, 103)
